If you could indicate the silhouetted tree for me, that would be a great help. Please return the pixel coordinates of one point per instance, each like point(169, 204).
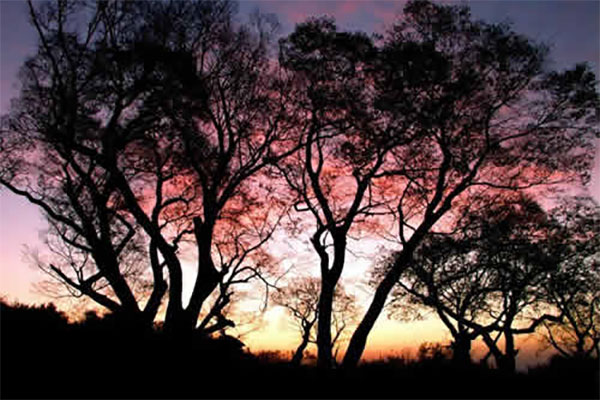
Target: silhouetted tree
point(485, 115)
point(442, 273)
point(515, 248)
point(348, 138)
point(574, 289)
point(228, 118)
point(490, 276)
point(301, 301)
point(96, 245)
point(153, 120)
point(453, 274)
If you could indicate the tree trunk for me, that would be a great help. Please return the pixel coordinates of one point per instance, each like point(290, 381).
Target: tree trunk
point(461, 351)
point(329, 280)
point(580, 352)
point(207, 281)
point(325, 350)
point(359, 338)
point(160, 285)
point(299, 354)
point(167, 251)
point(208, 277)
point(173, 319)
point(508, 363)
point(107, 262)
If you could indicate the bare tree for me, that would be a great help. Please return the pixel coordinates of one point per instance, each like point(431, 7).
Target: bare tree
point(489, 278)
point(301, 301)
point(229, 118)
point(514, 247)
point(445, 107)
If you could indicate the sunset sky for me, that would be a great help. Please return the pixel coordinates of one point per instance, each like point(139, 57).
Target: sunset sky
point(572, 28)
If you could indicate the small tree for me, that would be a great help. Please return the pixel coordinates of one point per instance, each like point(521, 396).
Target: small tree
point(515, 247)
point(301, 301)
point(490, 276)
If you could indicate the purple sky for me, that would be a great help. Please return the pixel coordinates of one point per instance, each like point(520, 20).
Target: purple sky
point(571, 27)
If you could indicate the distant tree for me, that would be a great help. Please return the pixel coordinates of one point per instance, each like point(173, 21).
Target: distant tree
point(508, 270)
point(432, 352)
point(301, 301)
point(485, 116)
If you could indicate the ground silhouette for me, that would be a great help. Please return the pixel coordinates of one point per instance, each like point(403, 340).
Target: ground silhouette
point(43, 355)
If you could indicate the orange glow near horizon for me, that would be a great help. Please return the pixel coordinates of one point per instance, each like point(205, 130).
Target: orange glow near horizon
point(389, 339)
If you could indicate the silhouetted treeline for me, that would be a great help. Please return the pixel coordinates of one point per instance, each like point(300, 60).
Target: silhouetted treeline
point(46, 356)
